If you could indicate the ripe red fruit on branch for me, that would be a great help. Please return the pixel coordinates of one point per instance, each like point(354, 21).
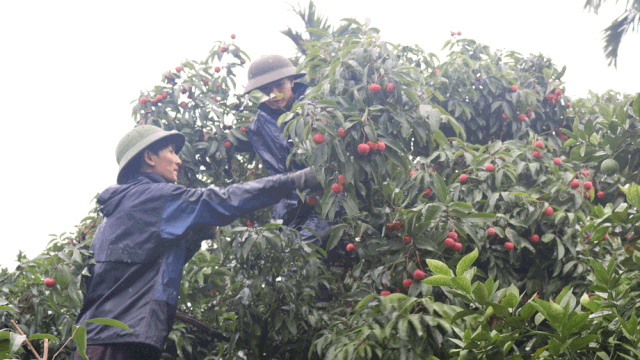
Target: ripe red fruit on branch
point(341, 179)
point(385, 293)
point(249, 223)
point(534, 238)
point(427, 192)
point(557, 161)
point(350, 247)
point(227, 144)
point(318, 138)
point(217, 69)
point(459, 33)
point(179, 68)
point(600, 194)
point(514, 88)
point(412, 173)
point(568, 104)
point(537, 154)
point(449, 242)
point(223, 49)
point(575, 183)
point(219, 85)
point(407, 240)
point(539, 144)
point(337, 188)
point(489, 167)
point(558, 92)
point(363, 149)
point(457, 246)
point(435, 71)
point(548, 211)
point(418, 274)
point(587, 185)
point(311, 200)
point(342, 133)
point(452, 235)
point(464, 178)
point(244, 129)
point(508, 245)
point(491, 231)
point(381, 146)
point(407, 283)
point(372, 146)
point(233, 36)
point(505, 116)
point(585, 172)
point(143, 100)
point(390, 88)
point(522, 117)
point(375, 88)
point(49, 282)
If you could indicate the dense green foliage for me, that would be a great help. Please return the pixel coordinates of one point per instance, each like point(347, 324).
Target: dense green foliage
point(571, 295)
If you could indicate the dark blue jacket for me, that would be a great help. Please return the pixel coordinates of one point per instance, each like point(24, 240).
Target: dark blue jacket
point(142, 244)
point(267, 140)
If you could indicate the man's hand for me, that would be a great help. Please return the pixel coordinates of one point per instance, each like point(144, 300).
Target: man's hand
point(304, 179)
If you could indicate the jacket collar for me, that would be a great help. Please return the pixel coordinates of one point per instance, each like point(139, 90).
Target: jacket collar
point(155, 178)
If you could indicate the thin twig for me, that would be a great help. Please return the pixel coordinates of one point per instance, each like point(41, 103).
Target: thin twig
point(65, 344)
point(27, 340)
point(45, 355)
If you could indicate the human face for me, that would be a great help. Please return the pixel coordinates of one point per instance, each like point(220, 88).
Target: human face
point(279, 93)
point(166, 163)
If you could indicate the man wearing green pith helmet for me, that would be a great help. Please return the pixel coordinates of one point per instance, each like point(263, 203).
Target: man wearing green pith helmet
point(148, 232)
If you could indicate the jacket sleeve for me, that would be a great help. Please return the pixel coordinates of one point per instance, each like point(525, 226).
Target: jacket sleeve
point(217, 206)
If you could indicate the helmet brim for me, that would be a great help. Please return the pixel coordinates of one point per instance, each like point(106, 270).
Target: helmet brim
point(265, 79)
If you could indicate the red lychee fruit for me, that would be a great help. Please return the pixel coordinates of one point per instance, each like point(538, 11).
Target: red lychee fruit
point(311, 200)
point(587, 185)
point(318, 138)
point(449, 242)
point(143, 100)
point(390, 88)
point(49, 282)
point(337, 188)
point(508, 245)
point(381, 146)
point(363, 149)
point(464, 178)
point(537, 154)
point(407, 240)
point(600, 194)
point(539, 144)
point(385, 293)
point(418, 274)
point(489, 167)
point(427, 192)
point(575, 183)
point(514, 88)
point(350, 247)
point(375, 88)
point(453, 235)
point(491, 231)
point(557, 161)
point(534, 238)
point(407, 283)
point(457, 246)
point(342, 133)
point(548, 211)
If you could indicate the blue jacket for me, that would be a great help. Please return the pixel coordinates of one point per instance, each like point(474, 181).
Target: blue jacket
point(142, 244)
point(267, 140)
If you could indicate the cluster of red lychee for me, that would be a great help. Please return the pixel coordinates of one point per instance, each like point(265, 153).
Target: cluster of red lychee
point(375, 89)
point(451, 241)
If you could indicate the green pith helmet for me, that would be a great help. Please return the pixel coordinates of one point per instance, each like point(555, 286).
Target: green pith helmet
point(136, 140)
point(269, 68)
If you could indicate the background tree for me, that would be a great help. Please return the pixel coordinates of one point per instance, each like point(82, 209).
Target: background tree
point(630, 19)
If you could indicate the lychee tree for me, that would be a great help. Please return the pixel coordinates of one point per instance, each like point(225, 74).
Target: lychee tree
point(461, 221)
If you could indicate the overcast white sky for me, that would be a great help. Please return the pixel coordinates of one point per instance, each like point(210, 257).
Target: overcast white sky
point(70, 70)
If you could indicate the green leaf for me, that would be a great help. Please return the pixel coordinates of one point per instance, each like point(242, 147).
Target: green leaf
point(7, 308)
point(15, 342)
point(439, 268)
point(43, 336)
point(466, 262)
point(109, 322)
point(438, 280)
point(441, 188)
point(80, 338)
point(480, 217)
